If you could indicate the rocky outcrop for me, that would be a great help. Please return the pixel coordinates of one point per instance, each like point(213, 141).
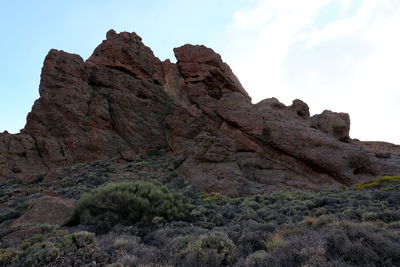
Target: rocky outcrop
point(113, 102)
point(266, 146)
point(123, 101)
point(19, 156)
point(332, 123)
point(48, 210)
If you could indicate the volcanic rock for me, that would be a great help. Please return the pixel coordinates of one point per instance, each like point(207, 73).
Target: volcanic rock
point(332, 123)
point(123, 101)
point(48, 210)
point(22, 234)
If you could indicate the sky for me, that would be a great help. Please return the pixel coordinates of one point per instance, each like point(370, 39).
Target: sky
point(340, 55)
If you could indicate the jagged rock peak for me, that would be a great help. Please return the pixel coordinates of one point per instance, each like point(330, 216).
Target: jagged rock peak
point(198, 63)
point(126, 52)
point(111, 35)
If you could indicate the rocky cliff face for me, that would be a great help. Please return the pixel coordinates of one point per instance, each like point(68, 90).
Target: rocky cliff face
point(124, 99)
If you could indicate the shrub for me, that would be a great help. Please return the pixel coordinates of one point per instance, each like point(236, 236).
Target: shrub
point(78, 240)
point(39, 254)
point(6, 256)
point(337, 244)
point(57, 248)
point(257, 258)
point(214, 249)
point(153, 153)
point(127, 203)
point(251, 241)
point(272, 242)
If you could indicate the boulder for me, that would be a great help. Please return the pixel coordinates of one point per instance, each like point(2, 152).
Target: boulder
point(22, 234)
point(129, 155)
point(48, 210)
point(333, 123)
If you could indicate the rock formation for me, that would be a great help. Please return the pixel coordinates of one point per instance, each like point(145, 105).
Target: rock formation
point(48, 210)
point(123, 99)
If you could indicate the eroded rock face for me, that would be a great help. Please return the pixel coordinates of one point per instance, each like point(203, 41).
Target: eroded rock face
point(123, 100)
point(19, 156)
point(267, 145)
point(48, 210)
point(113, 102)
point(333, 123)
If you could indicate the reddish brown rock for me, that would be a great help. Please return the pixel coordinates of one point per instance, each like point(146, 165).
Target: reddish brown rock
point(198, 63)
point(379, 146)
point(52, 176)
point(174, 83)
point(225, 177)
point(22, 234)
point(300, 108)
point(123, 101)
point(19, 156)
point(95, 109)
point(129, 155)
point(284, 149)
point(48, 210)
point(333, 123)
point(126, 52)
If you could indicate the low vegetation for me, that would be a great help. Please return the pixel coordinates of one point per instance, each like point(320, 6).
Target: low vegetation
point(169, 223)
point(379, 182)
point(128, 203)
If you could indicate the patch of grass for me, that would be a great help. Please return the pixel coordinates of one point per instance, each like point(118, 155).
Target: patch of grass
point(210, 196)
point(382, 181)
point(141, 164)
point(272, 242)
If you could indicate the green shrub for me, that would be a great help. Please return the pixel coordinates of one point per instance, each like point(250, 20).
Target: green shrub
point(257, 258)
point(40, 254)
point(55, 249)
point(214, 249)
point(78, 239)
point(153, 153)
point(6, 256)
point(127, 203)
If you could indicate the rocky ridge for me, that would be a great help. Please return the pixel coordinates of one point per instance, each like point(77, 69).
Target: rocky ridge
point(125, 101)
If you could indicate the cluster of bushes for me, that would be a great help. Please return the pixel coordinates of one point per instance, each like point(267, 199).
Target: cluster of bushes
point(380, 204)
point(313, 242)
point(147, 224)
point(332, 244)
point(57, 248)
point(129, 203)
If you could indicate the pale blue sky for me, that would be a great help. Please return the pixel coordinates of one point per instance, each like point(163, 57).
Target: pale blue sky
point(340, 55)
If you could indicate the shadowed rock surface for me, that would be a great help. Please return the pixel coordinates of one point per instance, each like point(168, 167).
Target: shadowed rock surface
point(48, 209)
point(124, 101)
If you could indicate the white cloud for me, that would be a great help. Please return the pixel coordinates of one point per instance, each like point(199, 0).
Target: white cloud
point(350, 64)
